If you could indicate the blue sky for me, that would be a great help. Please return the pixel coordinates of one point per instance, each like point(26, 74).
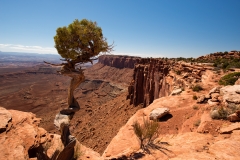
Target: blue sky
point(147, 28)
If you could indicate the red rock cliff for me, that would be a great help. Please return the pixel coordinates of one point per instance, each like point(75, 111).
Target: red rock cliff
point(118, 61)
point(155, 78)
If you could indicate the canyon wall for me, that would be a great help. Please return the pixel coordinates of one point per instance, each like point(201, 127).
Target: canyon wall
point(154, 78)
point(149, 81)
point(118, 61)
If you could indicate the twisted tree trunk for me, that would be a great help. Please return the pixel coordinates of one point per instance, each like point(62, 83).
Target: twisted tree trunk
point(75, 82)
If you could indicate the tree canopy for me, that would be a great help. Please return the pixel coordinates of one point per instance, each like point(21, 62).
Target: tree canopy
point(80, 41)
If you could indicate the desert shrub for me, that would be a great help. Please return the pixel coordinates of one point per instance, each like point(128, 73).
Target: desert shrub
point(194, 97)
point(146, 133)
point(195, 107)
point(233, 108)
point(219, 113)
point(229, 79)
point(197, 123)
point(77, 152)
point(197, 88)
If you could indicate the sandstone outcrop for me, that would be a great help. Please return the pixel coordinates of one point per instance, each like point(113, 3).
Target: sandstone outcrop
point(230, 94)
point(23, 139)
point(184, 144)
point(158, 113)
point(155, 78)
point(217, 55)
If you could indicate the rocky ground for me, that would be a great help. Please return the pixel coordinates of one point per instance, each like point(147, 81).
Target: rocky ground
point(102, 99)
point(104, 122)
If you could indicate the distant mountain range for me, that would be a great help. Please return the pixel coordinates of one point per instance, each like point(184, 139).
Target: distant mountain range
point(28, 57)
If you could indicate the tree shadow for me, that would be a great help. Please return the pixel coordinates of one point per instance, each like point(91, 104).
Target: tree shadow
point(165, 118)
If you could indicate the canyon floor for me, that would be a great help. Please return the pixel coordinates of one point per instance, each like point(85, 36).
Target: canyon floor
point(104, 121)
point(102, 98)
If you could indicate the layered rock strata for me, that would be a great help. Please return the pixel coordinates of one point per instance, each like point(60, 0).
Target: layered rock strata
point(118, 61)
point(155, 78)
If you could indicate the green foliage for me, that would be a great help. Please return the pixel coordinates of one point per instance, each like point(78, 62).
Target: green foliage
point(219, 113)
point(194, 97)
point(229, 79)
point(147, 132)
point(197, 88)
point(80, 40)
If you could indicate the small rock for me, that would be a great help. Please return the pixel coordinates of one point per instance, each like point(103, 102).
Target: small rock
point(158, 113)
point(176, 92)
point(210, 102)
point(201, 99)
point(208, 96)
point(214, 100)
point(214, 90)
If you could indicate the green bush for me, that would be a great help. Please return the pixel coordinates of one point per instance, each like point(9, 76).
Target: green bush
point(194, 97)
point(229, 79)
point(197, 88)
point(219, 113)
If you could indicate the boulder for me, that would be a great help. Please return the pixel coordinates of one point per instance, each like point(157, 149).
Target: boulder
point(233, 117)
point(5, 117)
point(230, 95)
point(176, 92)
point(158, 113)
point(215, 95)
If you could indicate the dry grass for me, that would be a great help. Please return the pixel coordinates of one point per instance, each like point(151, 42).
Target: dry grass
point(147, 132)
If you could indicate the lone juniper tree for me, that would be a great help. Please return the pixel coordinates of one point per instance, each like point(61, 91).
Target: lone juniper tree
point(80, 42)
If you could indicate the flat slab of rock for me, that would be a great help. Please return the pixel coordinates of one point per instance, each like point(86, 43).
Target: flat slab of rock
point(158, 113)
point(230, 94)
point(211, 103)
point(230, 128)
point(214, 90)
point(5, 117)
point(176, 92)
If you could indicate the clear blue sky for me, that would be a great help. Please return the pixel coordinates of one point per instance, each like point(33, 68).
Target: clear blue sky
point(148, 28)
